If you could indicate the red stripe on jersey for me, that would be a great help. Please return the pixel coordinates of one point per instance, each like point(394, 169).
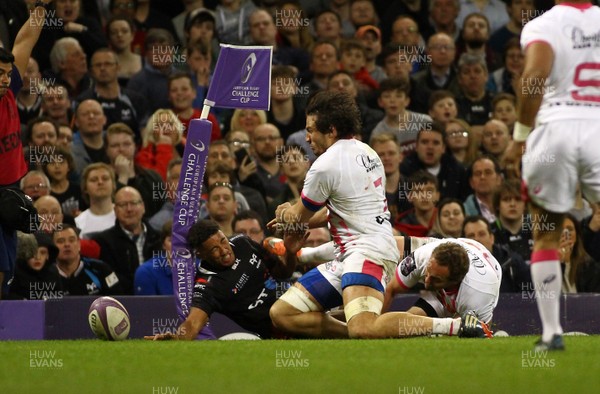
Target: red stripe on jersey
point(370, 268)
point(400, 281)
point(544, 255)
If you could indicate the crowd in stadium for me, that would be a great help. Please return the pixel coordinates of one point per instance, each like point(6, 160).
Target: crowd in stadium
point(111, 86)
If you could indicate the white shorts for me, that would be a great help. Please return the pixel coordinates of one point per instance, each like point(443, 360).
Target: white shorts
point(558, 155)
point(327, 281)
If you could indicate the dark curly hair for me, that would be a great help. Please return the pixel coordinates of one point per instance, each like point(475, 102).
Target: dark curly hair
point(335, 109)
point(200, 232)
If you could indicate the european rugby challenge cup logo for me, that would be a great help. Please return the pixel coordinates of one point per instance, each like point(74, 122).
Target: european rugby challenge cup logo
point(248, 67)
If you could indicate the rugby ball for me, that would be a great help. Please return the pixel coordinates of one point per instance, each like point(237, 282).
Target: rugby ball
point(109, 319)
point(236, 336)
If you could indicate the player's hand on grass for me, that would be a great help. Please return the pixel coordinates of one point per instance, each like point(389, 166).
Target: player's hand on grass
point(161, 337)
point(512, 159)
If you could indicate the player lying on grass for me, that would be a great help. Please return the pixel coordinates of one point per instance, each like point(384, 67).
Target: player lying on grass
point(236, 277)
point(460, 278)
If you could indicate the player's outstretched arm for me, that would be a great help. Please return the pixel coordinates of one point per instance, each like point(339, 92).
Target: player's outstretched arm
point(188, 330)
point(28, 36)
point(391, 290)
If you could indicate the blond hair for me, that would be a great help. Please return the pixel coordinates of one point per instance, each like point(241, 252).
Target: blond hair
point(161, 116)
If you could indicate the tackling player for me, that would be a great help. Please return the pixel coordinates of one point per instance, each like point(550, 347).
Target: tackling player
point(561, 84)
point(348, 178)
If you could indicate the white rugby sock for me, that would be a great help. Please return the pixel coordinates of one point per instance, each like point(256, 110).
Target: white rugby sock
point(547, 280)
point(446, 326)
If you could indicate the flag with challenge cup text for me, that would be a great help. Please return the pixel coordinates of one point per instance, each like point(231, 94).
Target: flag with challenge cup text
point(241, 79)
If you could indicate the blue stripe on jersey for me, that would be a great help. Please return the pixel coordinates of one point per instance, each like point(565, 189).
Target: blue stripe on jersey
point(359, 279)
point(321, 289)
point(310, 205)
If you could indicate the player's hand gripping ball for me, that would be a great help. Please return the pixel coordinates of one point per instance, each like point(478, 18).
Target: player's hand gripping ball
point(109, 319)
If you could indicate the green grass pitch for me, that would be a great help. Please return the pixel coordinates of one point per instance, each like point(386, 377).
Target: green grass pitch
point(400, 366)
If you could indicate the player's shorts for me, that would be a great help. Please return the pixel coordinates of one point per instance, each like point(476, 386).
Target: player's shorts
point(326, 282)
point(559, 154)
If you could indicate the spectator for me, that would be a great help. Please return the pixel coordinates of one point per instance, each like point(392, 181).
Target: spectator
point(200, 63)
point(512, 227)
point(161, 138)
point(233, 26)
point(35, 184)
point(266, 143)
point(158, 220)
point(495, 139)
point(518, 13)
point(370, 37)
point(328, 26)
point(98, 185)
point(405, 31)
point(443, 14)
point(69, 66)
point(68, 193)
point(85, 30)
point(247, 120)
point(442, 106)
point(50, 213)
point(474, 38)
point(515, 272)
point(353, 60)
point(119, 104)
point(200, 30)
point(36, 276)
point(129, 242)
point(450, 218)
point(474, 101)
point(287, 110)
point(29, 98)
point(250, 224)
point(246, 174)
point(65, 137)
point(82, 275)
point(221, 206)
point(484, 178)
point(387, 148)
point(323, 63)
point(504, 108)
point(88, 144)
point(292, 30)
point(440, 74)
point(153, 79)
point(494, 11)
point(294, 166)
point(507, 78)
point(220, 172)
point(343, 81)
point(181, 96)
point(395, 63)
point(155, 276)
point(423, 195)
point(394, 98)
point(56, 104)
point(263, 32)
point(429, 155)
point(121, 31)
point(581, 273)
point(214, 284)
point(41, 136)
point(120, 149)
point(460, 142)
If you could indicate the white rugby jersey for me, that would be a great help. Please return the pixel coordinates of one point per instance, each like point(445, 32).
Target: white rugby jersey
point(349, 179)
point(572, 90)
point(482, 280)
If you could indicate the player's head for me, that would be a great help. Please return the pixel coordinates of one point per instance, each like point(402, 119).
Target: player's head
point(6, 63)
point(447, 267)
point(330, 116)
point(210, 244)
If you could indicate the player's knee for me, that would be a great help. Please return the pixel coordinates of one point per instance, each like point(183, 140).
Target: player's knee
point(278, 314)
point(361, 314)
point(362, 328)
